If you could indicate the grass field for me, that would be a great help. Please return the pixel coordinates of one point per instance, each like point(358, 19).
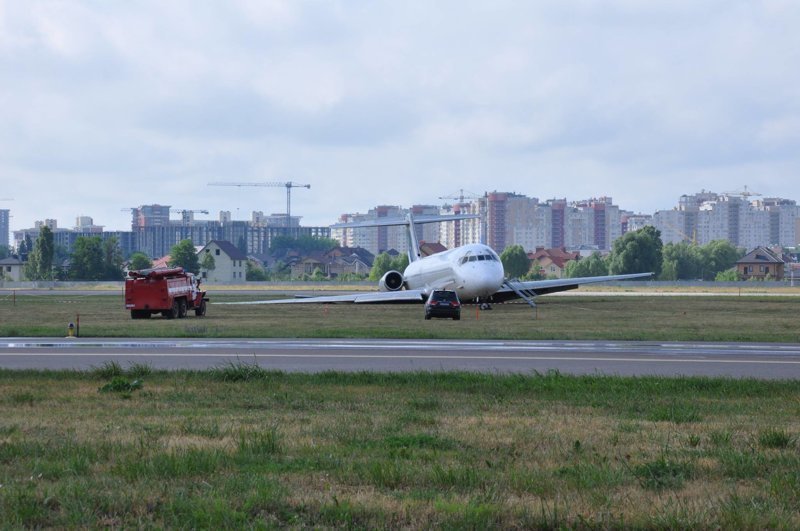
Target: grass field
point(239, 446)
point(707, 318)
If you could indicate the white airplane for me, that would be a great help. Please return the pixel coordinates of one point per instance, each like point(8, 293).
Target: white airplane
point(473, 271)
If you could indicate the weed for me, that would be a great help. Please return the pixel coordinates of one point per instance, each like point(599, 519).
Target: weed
point(676, 412)
point(259, 443)
point(9, 430)
point(720, 438)
point(121, 385)
point(140, 370)
point(240, 371)
point(108, 369)
point(663, 473)
point(22, 399)
point(775, 438)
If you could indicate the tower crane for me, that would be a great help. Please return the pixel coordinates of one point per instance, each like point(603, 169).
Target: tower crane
point(461, 196)
point(743, 193)
point(186, 214)
point(288, 185)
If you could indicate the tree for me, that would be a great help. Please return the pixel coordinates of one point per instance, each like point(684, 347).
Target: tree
point(25, 247)
point(536, 272)
point(400, 262)
point(593, 266)
point(305, 245)
point(86, 261)
point(515, 261)
point(637, 252)
point(380, 266)
point(40, 259)
point(718, 256)
point(112, 259)
point(183, 255)
point(209, 264)
point(254, 272)
point(140, 261)
point(729, 275)
point(681, 261)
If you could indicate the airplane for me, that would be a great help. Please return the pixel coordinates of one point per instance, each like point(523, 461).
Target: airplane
point(474, 271)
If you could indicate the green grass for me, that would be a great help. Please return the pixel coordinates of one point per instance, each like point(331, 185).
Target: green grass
point(659, 318)
point(234, 447)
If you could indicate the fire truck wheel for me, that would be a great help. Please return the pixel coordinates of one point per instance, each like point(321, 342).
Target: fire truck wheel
point(182, 308)
point(200, 311)
point(172, 313)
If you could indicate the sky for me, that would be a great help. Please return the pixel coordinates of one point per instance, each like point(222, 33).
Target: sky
point(110, 105)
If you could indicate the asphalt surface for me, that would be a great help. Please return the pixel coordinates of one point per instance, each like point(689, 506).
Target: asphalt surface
point(739, 360)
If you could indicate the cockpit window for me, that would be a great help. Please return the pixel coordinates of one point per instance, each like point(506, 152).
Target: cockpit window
point(486, 256)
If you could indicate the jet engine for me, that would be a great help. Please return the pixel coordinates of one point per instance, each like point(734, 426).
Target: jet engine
point(391, 281)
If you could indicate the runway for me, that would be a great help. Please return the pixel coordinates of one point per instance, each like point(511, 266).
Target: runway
point(739, 360)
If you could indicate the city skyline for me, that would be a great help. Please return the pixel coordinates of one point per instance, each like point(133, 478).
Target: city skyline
point(114, 105)
point(213, 213)
point(504, 218)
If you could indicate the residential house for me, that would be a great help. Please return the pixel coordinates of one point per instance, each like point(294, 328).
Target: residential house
point(553, 262)
point(431, 248)
point(335, 262)
point(230, 264)
point(762, 264)
point(11, 269)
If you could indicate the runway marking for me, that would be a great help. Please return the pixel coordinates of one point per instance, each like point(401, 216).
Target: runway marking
point(411, 357)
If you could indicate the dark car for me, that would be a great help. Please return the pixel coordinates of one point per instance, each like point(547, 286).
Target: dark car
point(443, 303)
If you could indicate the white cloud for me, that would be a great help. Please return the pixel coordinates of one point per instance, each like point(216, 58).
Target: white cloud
point(389, 102)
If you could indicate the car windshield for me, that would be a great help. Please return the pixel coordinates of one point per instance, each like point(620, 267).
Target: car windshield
point(445, 296)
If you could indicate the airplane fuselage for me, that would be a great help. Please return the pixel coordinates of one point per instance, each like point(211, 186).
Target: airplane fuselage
point(473, 271)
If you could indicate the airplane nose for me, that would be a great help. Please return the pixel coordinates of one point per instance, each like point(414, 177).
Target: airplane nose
point(484, 282)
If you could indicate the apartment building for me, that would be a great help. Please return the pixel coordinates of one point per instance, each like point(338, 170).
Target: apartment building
point(381, 239)
point(5, 226)
point(707, 216)
point(154, 234)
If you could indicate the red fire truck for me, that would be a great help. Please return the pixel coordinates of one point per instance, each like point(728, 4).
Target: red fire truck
point(170, 292)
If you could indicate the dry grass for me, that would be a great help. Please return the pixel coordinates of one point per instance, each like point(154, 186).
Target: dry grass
point(416, 451)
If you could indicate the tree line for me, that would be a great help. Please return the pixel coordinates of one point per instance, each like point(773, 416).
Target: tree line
point(641, 251)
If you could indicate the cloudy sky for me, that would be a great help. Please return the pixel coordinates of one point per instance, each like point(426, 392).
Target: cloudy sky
point(109, 105)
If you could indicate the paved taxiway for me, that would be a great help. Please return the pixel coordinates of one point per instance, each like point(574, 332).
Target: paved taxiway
point(741, 360)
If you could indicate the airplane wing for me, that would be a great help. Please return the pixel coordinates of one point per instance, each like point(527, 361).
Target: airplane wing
point(376, 297)
point(543, 287)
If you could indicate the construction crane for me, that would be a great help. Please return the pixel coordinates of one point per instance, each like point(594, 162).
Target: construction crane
point(461, 196)
point(186, 214)
point(288, 185)
point(690, 239)
point(743, 193)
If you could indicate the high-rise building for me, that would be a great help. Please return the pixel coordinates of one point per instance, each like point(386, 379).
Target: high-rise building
point(707, 216)
point(5, 226)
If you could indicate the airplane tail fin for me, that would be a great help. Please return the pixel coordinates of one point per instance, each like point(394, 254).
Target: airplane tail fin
point(409, 222)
